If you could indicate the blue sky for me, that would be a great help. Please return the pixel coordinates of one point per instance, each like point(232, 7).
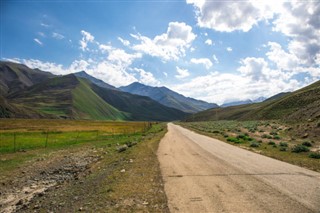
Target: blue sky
point(217, 51)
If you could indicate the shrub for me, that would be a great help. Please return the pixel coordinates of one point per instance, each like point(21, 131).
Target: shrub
point(307, 143)
point(300, 148)
point(271, 143)
point(241, 136)
point(283, 149)
point(276, 137)
point(225, 135)
point(283, 144)
point(232, 139)
point(254, 144)
point(315, 155)
point(274, 146)
point(264, 136)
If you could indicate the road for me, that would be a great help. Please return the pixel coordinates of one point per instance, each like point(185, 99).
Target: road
point(203, 174)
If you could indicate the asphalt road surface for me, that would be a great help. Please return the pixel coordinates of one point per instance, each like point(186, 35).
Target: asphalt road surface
point(203, 174)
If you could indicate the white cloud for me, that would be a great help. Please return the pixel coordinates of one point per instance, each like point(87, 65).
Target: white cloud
point(165, 74)
point(38, 41)
point(78, 65)
point(119, 56)
point(57, 36)
point(182, 73)
point(226, 87)
point(86, 38)
point(209, 42)
point(282, 59)
point(228, 16)
point(124, 42)
point(42, 34)
point(146, 77)
point(215, 59)
point(168, 46)
point(229, 49)
point(300, 20)
point(204, 61)
point(45, 25)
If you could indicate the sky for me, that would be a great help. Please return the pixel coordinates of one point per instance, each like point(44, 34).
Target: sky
point(216, 51)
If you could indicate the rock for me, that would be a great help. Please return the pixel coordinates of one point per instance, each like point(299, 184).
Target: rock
point(131, 161)
point(122, 148)
point(145, 203)
point(80, 209)
point(20, 202)
point(123, 170)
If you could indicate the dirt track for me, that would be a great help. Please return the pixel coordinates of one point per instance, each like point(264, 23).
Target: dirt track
point(202, 174)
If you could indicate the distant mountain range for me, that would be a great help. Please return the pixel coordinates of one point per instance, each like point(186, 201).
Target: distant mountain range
point(300, 105)
point(249, 101)
point(168, 97)
point(94, 80)
point(31, 93)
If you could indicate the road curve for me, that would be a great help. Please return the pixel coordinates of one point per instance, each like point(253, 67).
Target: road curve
point(202, 174)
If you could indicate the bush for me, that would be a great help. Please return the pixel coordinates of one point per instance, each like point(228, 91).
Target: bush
point(232, 139)
point(254, 144)
point(283, 149)
point(276, 137)
point(300, 148)
point(271, 143)
point(307, 143)
point(315, 155)
point(264, 136)
point(283, 144)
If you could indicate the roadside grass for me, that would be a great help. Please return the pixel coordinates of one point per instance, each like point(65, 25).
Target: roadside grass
point(270, 138)
point(126, 181)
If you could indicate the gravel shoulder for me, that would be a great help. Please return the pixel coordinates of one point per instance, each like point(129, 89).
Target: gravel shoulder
point(202, 174)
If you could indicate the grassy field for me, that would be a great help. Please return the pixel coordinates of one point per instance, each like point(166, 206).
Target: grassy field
point(113, 180)
point(270, 138)
point(23, 134)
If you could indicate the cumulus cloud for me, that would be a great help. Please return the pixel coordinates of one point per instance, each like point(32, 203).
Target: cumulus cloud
point(204, 61)
point(38, 41)
point(146, 77)
point(300, 21)
point(182, 73)
point(167, 46)
point(57, 36)
point(209, 42)
point(281, 58)
point(226, 87)
point(86, 38)
point(228, 16)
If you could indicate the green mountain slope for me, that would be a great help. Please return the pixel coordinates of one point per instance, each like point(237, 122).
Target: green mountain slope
point(301, 105)
point(89, 105)
point(140, 107)
point(66, 97)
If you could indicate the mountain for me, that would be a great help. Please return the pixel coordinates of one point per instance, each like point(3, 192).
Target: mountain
point(301, 105)
point(94, 80)
point(139, 107)
point(66, 97)
point(236, 103)
point(15, 77)
point(168, 97)
point(72, 97)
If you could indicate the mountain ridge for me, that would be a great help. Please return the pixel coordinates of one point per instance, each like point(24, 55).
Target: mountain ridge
point(168, 97)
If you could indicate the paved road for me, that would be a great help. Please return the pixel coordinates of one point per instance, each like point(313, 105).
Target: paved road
point(202, 174)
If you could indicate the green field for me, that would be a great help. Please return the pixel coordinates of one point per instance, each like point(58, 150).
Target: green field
point(20, 135)
point(271, 138)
